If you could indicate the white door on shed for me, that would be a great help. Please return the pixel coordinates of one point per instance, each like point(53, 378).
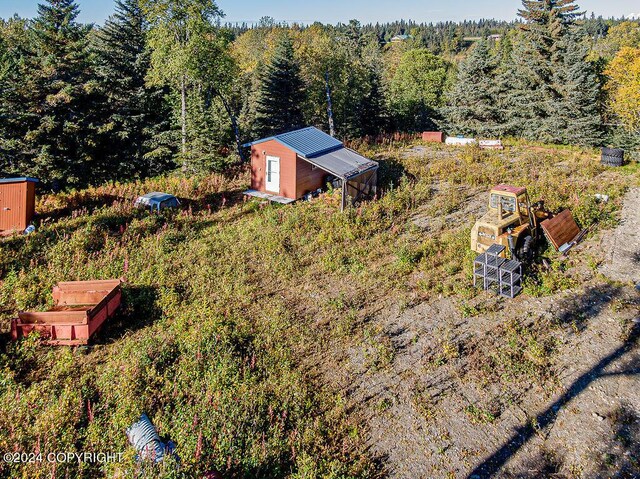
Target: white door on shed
point(273, 174)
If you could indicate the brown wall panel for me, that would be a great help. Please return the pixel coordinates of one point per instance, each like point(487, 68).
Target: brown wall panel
point(287, 157)
point(309, 178)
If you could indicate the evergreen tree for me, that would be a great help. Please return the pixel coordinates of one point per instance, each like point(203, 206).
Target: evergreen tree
point(542, 13)
point(576, 118)
point(137, 126)
point(525, 90)
point(54, 94)
point(280, 93)
point(359, 100)
point(473, 102)
point(374, 115)
point(13, 39)
point(548, 85)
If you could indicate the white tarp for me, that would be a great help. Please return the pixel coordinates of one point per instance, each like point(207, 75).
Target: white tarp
point(453, 140)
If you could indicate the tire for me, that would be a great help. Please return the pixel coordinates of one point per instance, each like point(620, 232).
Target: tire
point(525, 250)
point(612, 160)
point(615, 152)
point(612, 157)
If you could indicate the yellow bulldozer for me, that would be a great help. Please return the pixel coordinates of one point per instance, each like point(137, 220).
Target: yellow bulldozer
point(512, 221)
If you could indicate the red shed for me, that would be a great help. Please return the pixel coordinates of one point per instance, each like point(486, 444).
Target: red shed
point(17, 203)
point(289, 166)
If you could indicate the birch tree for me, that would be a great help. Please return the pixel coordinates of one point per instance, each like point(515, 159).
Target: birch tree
point(178, 39)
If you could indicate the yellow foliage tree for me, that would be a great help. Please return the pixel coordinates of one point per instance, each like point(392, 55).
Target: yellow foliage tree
point(624, 87)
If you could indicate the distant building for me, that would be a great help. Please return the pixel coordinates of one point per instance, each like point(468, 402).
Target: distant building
point(400, 38)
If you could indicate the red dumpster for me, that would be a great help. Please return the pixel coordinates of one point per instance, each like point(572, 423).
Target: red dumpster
point(433, 136)
point(80, 308)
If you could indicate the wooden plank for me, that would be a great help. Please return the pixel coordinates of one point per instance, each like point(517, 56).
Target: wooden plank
point(491, 144)
point(97, 285)
point(433, 136)
point(561, 229)
point(109, 309)
point(79, 298)
point(53, 317)
point(31, 202)
point(308, 177)
point(13, 206)
point(267, 196)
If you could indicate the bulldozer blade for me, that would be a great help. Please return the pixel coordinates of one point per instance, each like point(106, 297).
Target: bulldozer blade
point(561, 230)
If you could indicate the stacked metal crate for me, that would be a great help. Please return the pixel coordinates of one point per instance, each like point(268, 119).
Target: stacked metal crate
point(497, 273)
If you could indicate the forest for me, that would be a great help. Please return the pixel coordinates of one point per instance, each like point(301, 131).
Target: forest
point(164, 85)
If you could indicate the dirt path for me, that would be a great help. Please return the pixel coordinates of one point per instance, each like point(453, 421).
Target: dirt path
point(441, 393)
point(622, 246)
point(429, 414)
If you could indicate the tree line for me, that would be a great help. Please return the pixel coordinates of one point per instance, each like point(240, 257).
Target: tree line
point(165, 85)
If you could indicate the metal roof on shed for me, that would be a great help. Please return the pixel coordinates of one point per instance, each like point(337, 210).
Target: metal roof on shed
point(18, 180)
point(308, 142)
point(344, 163)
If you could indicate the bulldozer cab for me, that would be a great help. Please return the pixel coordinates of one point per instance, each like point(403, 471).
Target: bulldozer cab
point(509, 213)
point(508, 205)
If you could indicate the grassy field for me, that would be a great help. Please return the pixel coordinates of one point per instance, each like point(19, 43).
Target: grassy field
point(231, 308)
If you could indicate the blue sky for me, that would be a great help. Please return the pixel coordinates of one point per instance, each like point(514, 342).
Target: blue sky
point(332, 11)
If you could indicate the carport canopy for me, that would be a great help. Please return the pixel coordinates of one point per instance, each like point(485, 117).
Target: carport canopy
point(343, 163)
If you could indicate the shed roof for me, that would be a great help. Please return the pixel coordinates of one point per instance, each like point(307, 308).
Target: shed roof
point(308, 142)
point(18, 180)
point(344, 163)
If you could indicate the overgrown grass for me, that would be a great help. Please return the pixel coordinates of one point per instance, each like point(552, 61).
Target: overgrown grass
point(230, 305)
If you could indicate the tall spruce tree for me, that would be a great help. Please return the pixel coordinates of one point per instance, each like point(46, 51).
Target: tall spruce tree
point(280, 93)
point(374, 115)
point(54, 94)
point(524, 82)
point(576, 117)
point(547, 83)
point(357, 94)
point(137, 119)
point(473, 102)
point(540, 14)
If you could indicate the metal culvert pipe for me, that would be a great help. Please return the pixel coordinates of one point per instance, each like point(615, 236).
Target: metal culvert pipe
point(144, 437)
